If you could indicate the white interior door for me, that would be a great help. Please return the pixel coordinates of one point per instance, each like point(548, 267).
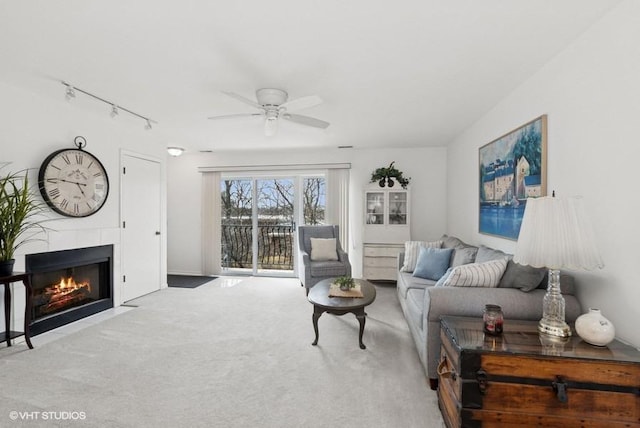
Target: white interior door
point(141, 226)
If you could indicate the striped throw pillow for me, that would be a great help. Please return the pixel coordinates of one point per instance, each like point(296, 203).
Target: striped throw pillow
point(411, 251)
point(485, 274)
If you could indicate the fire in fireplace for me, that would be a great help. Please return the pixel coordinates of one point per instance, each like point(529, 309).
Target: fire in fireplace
point(65, 294)
point(69, 285)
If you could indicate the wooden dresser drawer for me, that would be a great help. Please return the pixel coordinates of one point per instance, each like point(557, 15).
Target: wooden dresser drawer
point(380, 273)
point(382, 262)
point(381, 251)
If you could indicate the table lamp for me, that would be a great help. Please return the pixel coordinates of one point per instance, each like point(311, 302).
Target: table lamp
point(556, 234)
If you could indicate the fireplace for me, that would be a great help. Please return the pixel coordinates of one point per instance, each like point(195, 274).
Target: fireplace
point(69, 285)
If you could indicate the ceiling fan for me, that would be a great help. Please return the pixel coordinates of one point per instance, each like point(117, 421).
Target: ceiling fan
point(273, 105)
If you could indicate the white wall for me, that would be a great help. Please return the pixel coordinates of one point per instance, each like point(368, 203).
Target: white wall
point(32, 127)
point(426, 167)
point(590, 93)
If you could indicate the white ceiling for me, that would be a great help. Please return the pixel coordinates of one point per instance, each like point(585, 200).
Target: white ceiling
point(404, 73)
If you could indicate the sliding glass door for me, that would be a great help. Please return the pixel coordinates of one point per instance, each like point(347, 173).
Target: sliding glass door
point(259, 217)
point(237, 224)
point(313, 200)
point(275, 226)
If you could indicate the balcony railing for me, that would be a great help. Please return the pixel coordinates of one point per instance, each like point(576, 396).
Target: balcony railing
point(275, 246)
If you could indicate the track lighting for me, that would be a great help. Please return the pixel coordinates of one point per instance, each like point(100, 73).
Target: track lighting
point(70, 93)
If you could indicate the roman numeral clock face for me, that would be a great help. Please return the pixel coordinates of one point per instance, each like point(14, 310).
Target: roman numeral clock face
point(73, 182)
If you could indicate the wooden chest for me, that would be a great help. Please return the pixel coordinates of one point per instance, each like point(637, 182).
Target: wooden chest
point(524, 379)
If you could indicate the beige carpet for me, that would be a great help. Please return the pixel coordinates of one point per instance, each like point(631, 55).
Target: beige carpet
point(220, 356)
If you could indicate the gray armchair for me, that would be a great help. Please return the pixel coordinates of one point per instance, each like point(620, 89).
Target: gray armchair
point(317, 270)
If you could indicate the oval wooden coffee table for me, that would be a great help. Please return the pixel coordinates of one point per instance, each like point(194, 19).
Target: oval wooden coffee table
point(319, 297)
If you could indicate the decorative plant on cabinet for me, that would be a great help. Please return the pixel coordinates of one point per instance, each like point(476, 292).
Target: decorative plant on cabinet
point(19, 212)
point(384, 176)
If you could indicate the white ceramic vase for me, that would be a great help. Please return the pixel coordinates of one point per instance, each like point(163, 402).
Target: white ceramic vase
point(595, 329)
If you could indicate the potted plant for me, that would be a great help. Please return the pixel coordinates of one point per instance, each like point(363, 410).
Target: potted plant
point(384, 176)
point(346, 283)
point(19, 211)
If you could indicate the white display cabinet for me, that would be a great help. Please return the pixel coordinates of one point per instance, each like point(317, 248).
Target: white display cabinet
point(386, 228)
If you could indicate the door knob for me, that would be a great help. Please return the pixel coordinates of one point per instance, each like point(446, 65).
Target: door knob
point(157, 232)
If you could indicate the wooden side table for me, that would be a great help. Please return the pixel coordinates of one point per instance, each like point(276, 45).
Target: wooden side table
point(526, 379)
point(7, 281)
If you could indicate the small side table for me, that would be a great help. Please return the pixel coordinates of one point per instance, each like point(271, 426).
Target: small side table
point(319, 297)
point(7, 280)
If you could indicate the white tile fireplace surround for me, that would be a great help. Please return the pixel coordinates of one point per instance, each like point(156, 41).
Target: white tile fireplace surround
point(61, 240)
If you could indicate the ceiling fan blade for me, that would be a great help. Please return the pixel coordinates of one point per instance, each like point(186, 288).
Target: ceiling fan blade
point(306, 120)
point(302, 102)
point(233, 116)
point(242, 99)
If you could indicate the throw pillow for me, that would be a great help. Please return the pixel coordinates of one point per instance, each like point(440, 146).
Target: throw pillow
point(323, 249)
point(452, 242)
point(524, 277)
point(432, 262)
point(411, 249)
point(444, 278)
point(486, 254)
point(485, 274)
point(463, 256)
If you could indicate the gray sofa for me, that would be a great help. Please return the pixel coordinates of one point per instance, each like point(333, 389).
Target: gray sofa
point(423, 303)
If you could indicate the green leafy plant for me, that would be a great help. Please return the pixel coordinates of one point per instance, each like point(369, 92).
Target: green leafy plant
point(20, 211)
point(345, 282)
point(384, 176)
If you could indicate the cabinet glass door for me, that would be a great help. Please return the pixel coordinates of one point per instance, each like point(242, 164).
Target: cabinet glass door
point(397, 208)
point(375, 208)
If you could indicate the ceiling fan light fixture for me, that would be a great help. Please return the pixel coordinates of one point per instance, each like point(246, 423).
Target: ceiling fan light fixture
point(271, 114)
point(271, 122)
point(270, 127)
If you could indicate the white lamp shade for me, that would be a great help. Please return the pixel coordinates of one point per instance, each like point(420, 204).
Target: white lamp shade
point(556, 234)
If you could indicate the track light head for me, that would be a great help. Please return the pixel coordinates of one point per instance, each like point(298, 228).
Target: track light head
point(114, 111)
point(148, 125)
point(70, 93)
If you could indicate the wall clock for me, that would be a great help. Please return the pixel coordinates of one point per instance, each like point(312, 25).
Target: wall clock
point(73, 182)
